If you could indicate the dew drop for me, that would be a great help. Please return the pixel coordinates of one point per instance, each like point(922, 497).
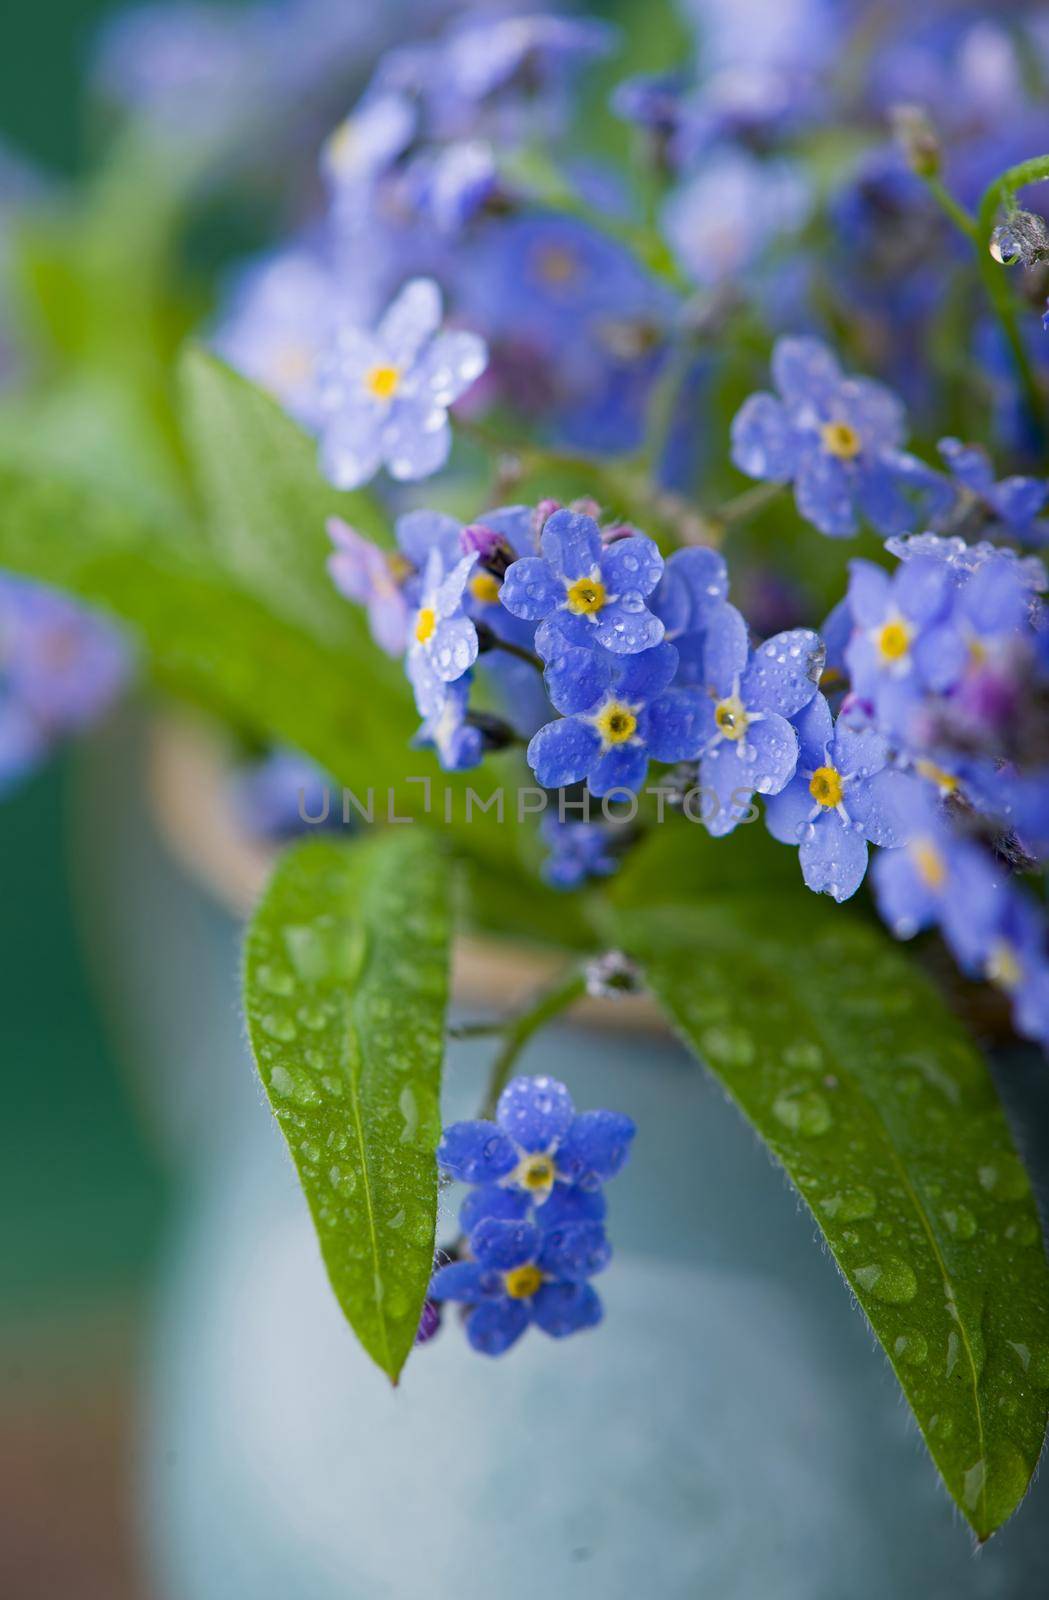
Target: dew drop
point(277, 1026)
point(891, 1280)
point(274, 980)
point(410, 1112)
point(728, 1045)
point(960, 1221)
point(913, 1348)
point(851, 1205)
point(1005, 1178)
point(308, 952)
point(803, 1111)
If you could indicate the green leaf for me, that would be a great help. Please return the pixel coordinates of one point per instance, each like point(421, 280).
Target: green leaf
point(206, 637)
point(345, 987)
point(885, 1117)
point(266, 503)
point(210, 639)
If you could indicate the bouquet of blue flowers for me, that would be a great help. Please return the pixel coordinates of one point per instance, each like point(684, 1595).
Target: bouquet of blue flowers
point(615, 495)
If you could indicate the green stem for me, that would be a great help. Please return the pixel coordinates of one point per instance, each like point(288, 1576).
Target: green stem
point(963, 219)
point(495, 643)
point(520, 1029)
point(746, 505)
point(475, 1030)
point(978, 230)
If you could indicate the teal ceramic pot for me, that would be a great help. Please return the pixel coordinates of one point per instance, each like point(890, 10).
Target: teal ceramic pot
point(731, 1431)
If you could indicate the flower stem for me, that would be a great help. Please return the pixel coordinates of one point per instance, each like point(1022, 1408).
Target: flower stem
point(978, 230)
point(521, 1028)
point(493, 642)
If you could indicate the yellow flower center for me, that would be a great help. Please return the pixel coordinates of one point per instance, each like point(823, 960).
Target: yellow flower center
point(342, 145)
point(894, 640)
point(425, 624)
point(826, 787)
point(731, 717)
point(586, 596)
point(521, 1283)
point(840, 440)
point(535, 1172)
point(616, 723)
point(485, 588)
point(1003, 968)
point(383, 382)
point(929, 865)
point(944, 781)
point(292, 366)
point(557, 265)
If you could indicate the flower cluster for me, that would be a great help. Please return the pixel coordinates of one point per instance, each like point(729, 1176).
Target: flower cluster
point(533, 1222)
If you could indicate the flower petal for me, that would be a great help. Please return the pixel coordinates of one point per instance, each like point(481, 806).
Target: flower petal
point(574, 1251)
point(496, 1325)
point(570, 1202)
point(459, 1280)
point(571, 543)
point(624, 767)
point(563, 752)
point(412, 319)
point(788, 813)
point(764, 442)
point(626, 626)
point(416, 443)
point(476, 1152)
point(564, 1308)
point(576, 679)
point(596, 1146)
point(535, 1112)
point(419, 532)
point(675, 726)
point(823, 491)
point(784, 672)
point(502, 1243)
point(530, 589)
point(492, 1200)
point(725, 654)
point(452, 363)
point(632, 566)
point(833, 857)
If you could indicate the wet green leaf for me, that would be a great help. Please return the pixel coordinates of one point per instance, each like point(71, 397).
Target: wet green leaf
point(885, 1117)
point(266, 503)
point(345, 988)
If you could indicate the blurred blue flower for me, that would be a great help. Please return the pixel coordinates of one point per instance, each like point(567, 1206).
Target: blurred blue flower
point(937, 877)
point(1016, 503)
point(458, 742)
point(385, 395)
point(578, 851)
point(280, 795)
point(278, 326)
point(374, 578)
point(748, 742)
point(723, 219)
point(363, 147)
point(888, 656)
point(843, 795)
point(839, 440)
point(61, 668)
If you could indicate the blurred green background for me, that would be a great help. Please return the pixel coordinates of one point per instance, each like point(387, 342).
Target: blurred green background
point(82, 1190)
